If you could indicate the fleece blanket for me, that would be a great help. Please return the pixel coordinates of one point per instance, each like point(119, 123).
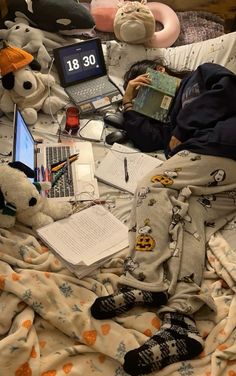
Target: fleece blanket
point(46, 328)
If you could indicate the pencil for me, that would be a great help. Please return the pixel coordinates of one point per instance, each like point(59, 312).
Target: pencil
point(63, 160)
point(72, 158)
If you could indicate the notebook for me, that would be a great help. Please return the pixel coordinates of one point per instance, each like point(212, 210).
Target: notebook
point(123, 167)
point(155, 100)
point(77, 181)
point(82, 72)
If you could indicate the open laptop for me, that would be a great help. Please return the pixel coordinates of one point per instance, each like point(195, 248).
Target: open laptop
point(77, 182)
point(82, 72)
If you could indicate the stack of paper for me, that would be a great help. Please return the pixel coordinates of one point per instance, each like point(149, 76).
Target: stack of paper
point(86, 239)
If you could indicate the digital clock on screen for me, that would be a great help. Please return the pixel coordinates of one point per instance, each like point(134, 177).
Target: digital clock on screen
point(79, 62)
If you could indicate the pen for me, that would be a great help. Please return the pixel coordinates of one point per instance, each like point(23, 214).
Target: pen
point(47, 174)
point(42, 173)
point(67, 166)
point(61, 164)
point(57, 176)
point(126, 170)
point(37, 172)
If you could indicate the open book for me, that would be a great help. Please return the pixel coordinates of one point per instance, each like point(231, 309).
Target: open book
point(155, 99)
point(123, 167)
point(87, 238)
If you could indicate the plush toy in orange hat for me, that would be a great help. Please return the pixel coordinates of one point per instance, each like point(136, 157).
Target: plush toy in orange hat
point(13, 58)
point(24, 85)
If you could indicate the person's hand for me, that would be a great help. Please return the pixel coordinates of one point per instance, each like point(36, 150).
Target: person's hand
point(174, 142)
point(133, 86)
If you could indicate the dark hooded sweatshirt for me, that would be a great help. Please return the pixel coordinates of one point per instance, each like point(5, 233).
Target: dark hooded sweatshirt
point(202, 117)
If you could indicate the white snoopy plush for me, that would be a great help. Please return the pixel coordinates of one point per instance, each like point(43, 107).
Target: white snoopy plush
point(24, 85)
point(20, 199)
point(30, 91)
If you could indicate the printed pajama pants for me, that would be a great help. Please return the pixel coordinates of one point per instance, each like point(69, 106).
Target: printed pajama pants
point(177, 207)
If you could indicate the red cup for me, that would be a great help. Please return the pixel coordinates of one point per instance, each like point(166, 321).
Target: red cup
point(72, 120)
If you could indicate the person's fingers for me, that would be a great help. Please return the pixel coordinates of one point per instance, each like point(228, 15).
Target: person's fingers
point(134, 85)
point(141, 79)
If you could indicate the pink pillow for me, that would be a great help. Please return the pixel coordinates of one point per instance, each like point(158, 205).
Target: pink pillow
point(103, 13)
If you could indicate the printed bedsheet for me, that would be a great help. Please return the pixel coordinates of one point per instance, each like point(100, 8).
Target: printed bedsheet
point(46, 328)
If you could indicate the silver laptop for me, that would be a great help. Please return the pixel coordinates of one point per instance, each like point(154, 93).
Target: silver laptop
point(82, 72)
point(77, 180)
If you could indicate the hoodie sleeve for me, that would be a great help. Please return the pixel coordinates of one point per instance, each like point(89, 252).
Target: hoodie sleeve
point(216, 101)
point(145, 133)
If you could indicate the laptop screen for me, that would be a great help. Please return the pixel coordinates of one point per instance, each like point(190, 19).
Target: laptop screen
point(80, 61)
point(24, 144)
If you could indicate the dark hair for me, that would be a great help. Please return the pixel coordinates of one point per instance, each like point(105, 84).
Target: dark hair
point(141, 67)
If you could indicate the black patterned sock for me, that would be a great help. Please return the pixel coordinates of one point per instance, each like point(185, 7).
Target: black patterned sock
point(177, 340)
point(112, 305)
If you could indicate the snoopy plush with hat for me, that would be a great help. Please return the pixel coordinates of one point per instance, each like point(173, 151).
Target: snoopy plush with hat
point(25, 86)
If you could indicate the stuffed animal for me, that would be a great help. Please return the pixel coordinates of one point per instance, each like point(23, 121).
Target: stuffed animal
point(135, 22)
point(20, 199)
point(35, 41)
point(24, 85)
point(52, 15)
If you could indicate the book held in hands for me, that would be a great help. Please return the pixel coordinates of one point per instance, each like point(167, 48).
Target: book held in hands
point(155, 100)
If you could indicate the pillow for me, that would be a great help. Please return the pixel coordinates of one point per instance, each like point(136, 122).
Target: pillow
point(51, 15)
point(103, 12)
point(221, 50)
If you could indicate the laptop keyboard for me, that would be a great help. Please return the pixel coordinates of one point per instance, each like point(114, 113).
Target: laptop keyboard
point(91, 89)
point(64, 186)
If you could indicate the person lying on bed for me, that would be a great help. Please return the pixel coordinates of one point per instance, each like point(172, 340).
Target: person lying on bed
point(150, 135)
point(177, 207)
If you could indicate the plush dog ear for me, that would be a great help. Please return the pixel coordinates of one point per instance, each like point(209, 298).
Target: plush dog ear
point(8, 81)
point(34, 65)
point(22, 167)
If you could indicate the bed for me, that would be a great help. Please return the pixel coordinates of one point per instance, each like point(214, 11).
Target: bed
point(46, 328)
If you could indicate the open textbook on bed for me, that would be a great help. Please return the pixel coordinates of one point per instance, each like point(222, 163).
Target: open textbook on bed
point(155, 100)
point(86, 239)
point(123, 167)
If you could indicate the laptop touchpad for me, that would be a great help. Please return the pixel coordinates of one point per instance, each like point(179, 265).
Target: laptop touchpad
point(84, 172)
